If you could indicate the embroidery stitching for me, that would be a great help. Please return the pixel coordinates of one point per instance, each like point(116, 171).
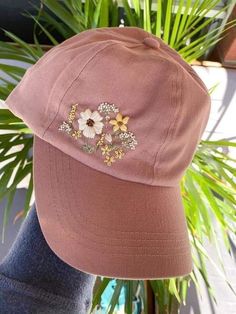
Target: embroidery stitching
point(107, 126)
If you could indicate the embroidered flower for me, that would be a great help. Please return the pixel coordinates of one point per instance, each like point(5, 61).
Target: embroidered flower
point(107, 108)
point(108, 137)
point(106, 150)
point(88, 148)
point(119, 123)
point(72, 113)
point(128, 139)
point(109, 160)
point(113, 139)
point(101, 140)
point(119, 153)
point(90, 123)
point(76, 133)
point(65, 126)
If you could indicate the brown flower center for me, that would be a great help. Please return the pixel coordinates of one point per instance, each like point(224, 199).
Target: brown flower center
point(90, 122)
point(119, 123)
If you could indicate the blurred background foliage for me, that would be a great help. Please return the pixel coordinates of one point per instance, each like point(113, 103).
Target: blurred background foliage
point(191, 27)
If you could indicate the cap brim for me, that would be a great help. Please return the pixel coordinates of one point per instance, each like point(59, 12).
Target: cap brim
point(106, 226)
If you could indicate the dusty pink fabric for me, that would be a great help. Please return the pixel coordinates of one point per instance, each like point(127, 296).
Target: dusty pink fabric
point(125, 220)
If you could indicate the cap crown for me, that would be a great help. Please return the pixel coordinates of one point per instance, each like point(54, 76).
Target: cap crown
point(160, 104)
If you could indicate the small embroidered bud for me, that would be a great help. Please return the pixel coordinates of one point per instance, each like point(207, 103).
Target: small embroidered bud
point(72, 113)
point(101, 140)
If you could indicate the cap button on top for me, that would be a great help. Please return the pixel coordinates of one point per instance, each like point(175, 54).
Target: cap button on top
point(151, 42)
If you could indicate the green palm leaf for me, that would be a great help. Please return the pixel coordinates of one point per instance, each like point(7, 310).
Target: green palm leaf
point(208, 188)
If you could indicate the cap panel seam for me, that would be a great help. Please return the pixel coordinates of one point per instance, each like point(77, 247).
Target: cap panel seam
point(179, 89)
point(59, 78)
point(174, 92)
point(178, 104)
point(184, 65)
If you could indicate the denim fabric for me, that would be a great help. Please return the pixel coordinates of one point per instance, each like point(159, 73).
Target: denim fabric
point(33, 279)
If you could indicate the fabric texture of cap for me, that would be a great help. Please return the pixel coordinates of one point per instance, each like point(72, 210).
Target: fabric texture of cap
point(117, 116)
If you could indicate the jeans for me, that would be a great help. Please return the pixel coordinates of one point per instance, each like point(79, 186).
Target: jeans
point(33, 279)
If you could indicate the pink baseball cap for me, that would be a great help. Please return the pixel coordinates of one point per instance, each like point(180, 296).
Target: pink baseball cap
point(117, 116)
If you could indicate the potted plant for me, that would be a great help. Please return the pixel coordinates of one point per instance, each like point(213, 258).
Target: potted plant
point(208, 188)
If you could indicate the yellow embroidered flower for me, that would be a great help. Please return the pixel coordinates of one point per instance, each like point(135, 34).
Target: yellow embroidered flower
point(119, 153)
point(119, 122)
point(109, 160)
point(105, 150)
point(76, 134)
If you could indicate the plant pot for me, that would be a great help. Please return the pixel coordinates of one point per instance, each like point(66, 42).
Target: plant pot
point(225, 50)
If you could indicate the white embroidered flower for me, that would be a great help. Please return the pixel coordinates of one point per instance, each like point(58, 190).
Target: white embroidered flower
point(90, 123)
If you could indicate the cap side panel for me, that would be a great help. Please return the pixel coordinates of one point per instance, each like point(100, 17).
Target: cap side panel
point(185, 65)
point(36, 97)
point(31, 98)
point(192, 120)
point(60, 89)
point(138, 95)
